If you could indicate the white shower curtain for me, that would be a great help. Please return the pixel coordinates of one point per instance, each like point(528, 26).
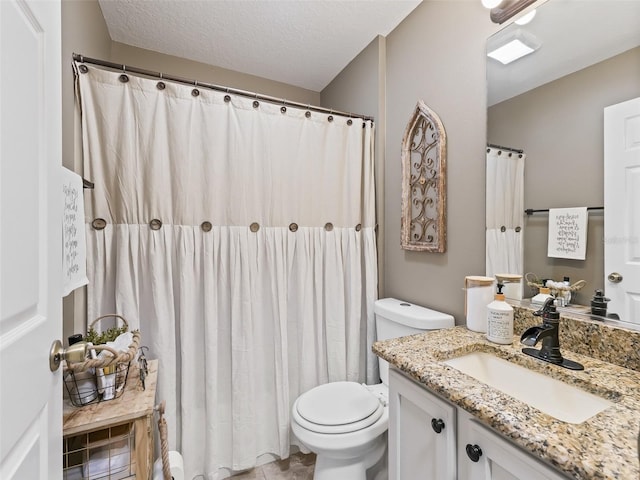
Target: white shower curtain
point(505, 211)
point(259, 282)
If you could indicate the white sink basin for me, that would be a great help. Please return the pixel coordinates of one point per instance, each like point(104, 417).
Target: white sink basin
point(553, 397)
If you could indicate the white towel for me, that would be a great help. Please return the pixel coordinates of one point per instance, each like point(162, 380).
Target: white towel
point(107, 381)
point(73, 473)
point(111, 462)
point(568, 233)
point(74, 247)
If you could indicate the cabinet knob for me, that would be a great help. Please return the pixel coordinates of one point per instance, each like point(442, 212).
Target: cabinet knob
point(437, 425)
point(473, 452)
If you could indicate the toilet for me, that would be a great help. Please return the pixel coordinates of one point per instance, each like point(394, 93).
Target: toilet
point(345, 423)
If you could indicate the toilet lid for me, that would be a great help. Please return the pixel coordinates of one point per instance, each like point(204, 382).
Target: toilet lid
point(338, 407)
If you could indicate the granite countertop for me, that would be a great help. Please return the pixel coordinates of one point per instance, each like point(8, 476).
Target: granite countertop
point(603, 447)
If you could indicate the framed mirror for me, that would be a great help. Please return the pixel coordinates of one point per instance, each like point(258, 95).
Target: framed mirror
point(585, 56)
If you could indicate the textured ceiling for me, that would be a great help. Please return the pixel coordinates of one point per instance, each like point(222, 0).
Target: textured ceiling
point(305, 43)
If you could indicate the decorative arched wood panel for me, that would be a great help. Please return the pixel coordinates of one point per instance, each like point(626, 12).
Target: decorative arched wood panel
point(424, 162)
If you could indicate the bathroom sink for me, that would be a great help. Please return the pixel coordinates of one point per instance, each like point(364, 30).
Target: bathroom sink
point(553, 397)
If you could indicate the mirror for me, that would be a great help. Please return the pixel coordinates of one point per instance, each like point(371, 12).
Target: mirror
point(550, 104)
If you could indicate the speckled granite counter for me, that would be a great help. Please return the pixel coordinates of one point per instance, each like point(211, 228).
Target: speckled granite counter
point(603, 447)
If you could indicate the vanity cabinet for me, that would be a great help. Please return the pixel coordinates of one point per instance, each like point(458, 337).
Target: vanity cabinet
point(429, 438)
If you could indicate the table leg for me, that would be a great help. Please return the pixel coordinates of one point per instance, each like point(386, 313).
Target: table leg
point(144, 447)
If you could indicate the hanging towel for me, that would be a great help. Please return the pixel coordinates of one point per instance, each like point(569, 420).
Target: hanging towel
point(74, 248)
point(568, 233)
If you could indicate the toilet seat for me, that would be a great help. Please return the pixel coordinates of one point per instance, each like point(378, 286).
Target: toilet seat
point(337, 407)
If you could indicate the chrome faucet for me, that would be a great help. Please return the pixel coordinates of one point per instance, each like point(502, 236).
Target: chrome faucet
point(548, 333)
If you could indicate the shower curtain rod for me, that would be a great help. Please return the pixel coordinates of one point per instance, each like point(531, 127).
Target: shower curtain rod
point(126, 68)
point(515, 150)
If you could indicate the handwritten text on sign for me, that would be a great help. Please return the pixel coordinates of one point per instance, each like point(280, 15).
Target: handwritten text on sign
point(74, 248)
point(568, 233)
point(70, 230)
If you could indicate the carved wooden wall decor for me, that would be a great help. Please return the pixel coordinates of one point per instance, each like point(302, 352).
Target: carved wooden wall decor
point(424, 162)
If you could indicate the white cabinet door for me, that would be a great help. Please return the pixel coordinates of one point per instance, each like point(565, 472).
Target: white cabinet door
point(30, 239)
point(422, 432)
point(485, 455)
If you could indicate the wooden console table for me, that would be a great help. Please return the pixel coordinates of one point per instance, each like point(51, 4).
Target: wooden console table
point(135, 406)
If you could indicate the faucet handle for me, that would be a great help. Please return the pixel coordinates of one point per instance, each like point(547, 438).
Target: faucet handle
point(546, 308)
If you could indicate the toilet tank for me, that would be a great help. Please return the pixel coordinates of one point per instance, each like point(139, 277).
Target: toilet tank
point(396, 318)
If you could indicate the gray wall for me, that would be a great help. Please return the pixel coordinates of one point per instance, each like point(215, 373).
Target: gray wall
point(437, 55)
point(83, 31)
point(181, 67)
point(560, 127)
point(360, 88)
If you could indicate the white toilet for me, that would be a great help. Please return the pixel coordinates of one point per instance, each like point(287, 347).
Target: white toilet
point(345, 423)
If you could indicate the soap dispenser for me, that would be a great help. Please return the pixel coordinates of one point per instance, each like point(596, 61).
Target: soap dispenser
point(566, 294)
point(599, 304)
point(500, 320)
point(542, 296)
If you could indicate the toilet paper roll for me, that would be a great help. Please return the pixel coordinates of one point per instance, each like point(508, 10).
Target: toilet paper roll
point(176, 466)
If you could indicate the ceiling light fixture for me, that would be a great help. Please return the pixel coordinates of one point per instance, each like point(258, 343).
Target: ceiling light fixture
point(510, 48)
point(503, 10)
point(510, 52)
point(523, 20)
point(491, 3)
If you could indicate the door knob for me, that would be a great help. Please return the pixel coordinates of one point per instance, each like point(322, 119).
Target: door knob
point(615, 277)
point(73, 353)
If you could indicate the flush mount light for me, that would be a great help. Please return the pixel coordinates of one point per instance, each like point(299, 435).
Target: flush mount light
point(509, 48)
point(511, 51)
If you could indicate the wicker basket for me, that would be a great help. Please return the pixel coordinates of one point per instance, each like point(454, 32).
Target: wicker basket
point(534, 282)
point(100, 379)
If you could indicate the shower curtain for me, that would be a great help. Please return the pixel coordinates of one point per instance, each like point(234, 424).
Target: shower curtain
point(505, 211)
point(238, 236)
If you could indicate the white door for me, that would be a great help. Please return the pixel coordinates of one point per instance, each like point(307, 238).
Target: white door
point(30, 239)
point(622, 209)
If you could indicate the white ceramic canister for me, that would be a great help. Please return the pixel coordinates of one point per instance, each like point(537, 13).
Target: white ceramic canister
point(478, 294)
point(512, 285)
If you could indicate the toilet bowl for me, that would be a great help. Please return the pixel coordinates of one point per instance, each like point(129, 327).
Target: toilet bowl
point(345, 423)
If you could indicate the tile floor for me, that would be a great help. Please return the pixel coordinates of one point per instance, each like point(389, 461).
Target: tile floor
point(297, 467)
